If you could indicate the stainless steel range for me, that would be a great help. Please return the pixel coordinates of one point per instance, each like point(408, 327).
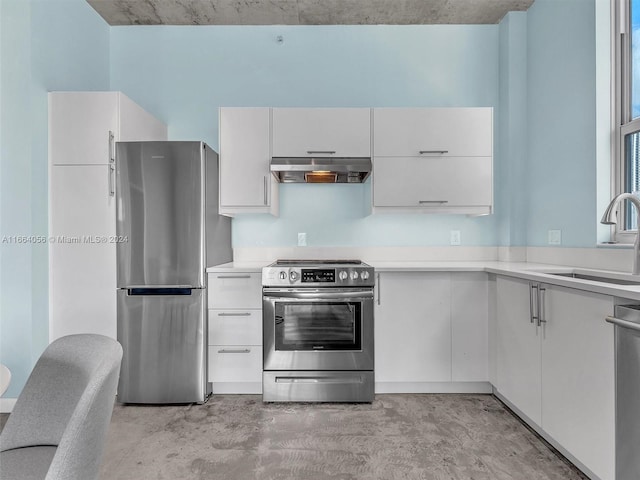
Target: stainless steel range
point(318, 331)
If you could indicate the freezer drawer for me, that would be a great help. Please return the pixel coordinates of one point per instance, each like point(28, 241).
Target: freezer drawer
point(163, 333)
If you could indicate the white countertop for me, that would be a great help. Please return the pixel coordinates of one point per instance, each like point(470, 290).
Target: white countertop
point(536, 272)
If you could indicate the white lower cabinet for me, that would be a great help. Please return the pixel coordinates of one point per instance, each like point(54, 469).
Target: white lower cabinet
point(235, 290)
point(235, 332)
point(518, 347)
point(422, 344)
point(578, 381)
point(469, 327)
point(235, 368)
point(559, 374)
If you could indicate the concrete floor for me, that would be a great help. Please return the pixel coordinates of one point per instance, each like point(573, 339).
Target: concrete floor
point(430, 437)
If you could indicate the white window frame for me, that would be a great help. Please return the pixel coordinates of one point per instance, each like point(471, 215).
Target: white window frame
point(621, 103)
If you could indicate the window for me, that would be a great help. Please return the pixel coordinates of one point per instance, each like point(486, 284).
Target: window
point(626, 169)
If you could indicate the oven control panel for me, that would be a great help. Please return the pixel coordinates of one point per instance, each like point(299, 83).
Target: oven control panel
point(274, 276)
point(313, 275)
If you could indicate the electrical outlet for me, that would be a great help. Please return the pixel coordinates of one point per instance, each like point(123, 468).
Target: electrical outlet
point(302, 239)
point(555, 237)
point(455, 237)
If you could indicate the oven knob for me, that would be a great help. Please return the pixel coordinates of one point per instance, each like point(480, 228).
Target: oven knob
point(293, 275)
point(283, 275)
point(364, 275)
point(342, 275)
point(354, 275)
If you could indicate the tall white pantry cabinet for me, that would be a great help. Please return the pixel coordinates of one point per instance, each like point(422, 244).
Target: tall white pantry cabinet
point(83, 129)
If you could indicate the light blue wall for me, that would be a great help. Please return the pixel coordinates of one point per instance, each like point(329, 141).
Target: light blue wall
point(45, 45)
point(561, 163)
point(183, 74)
point(510, 163)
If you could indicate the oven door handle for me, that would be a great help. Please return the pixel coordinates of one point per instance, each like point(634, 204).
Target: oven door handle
point(355, 295)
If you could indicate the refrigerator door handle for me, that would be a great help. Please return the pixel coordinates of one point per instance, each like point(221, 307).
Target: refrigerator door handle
point(147, 291)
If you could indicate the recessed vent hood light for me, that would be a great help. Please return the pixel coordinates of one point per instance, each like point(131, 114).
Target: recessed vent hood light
point(320, 170)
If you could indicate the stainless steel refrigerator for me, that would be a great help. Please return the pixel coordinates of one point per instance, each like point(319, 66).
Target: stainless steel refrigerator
point(167, 231)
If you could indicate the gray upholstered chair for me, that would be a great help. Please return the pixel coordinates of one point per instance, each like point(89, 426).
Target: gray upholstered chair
point(58, 426)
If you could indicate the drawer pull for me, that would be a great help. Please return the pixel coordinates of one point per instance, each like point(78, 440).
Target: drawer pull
point(235, 350)
point(317, 380)
point(442, 152)
point(439, 202)
point(321, 152)
point(234, 276)
point(234, 314)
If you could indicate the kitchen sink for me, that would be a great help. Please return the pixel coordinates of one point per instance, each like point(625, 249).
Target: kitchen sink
point(596, 278)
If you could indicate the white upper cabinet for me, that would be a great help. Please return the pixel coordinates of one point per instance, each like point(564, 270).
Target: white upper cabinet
point(321, 132)
point(432, 182)
point(136, 124)
point(433, 160)
point(83, 126)
point(246, 183)
point(409, 132)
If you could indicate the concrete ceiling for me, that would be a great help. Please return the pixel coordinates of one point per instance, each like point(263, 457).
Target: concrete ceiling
point(305, 12)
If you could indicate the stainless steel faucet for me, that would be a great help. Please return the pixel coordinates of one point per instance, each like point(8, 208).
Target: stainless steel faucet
point(610, 218)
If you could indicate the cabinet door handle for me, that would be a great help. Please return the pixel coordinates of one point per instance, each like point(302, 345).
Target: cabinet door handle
point(541, 305)
point(327, 152)
point(112, 182)
point(235, 350)
point(234, 314)
point(234, 276)
point(112, 168)
point(378, 282)
point(439, 202)
point(265, 189)
point(533, 317)
point(112, 157)
point(441, 152)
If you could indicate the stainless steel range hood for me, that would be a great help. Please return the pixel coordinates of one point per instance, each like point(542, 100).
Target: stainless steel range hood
point(320, 170)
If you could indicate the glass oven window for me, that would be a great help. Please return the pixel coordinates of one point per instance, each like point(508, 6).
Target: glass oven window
point(318, 326)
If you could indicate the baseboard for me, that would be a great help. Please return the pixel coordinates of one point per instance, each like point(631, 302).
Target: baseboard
point(7, 404)
point(433, 387)
point(254, 388)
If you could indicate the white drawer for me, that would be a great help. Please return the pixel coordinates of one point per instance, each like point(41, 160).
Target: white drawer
point(237, 364)
point(240, 290)
point(235, 327)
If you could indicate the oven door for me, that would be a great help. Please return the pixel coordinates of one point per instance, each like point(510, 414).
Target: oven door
point(318, 329)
